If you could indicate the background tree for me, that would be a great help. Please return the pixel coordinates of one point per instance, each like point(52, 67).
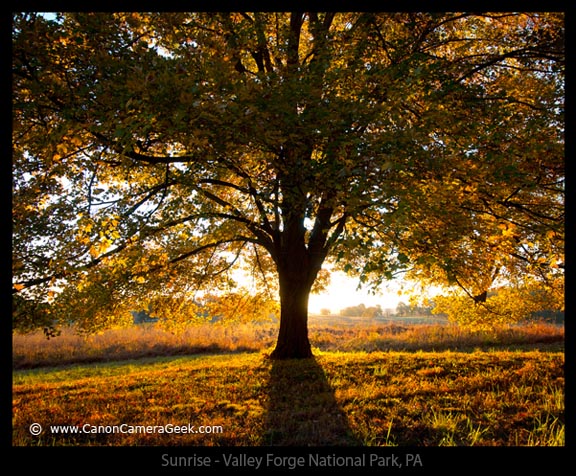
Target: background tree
point(153, 151)
point(402, 309)
point(504, 304)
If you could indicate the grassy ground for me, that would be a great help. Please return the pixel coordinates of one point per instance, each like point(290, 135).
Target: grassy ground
point(397, 398)
point(33, 350)
point(506, 395)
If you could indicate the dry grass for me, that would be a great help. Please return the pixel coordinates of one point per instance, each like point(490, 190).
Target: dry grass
point(34, 350)
point(437, 337)
point(497, 398)
point(148, 340)
point(388, 384)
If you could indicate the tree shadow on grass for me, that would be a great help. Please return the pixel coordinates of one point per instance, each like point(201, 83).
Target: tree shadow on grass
point(302, 409)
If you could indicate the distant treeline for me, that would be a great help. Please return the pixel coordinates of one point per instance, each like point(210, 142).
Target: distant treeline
point(402, 310)
point(555, 317)
point(405, 310)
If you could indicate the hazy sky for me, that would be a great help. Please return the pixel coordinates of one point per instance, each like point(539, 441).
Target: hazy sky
point(342, 293)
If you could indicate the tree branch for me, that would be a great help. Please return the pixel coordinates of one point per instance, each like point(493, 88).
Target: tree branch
point(340, 224)
point(163, 187)
point(199, 249)
point(131, 153)
point(296, 20)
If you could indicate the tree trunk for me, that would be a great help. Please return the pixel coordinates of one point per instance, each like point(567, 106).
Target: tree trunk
point(293, 340)
point(297, 263)
point(297, 269)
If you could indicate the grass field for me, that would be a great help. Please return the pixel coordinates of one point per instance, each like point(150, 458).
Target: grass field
point(368, 386)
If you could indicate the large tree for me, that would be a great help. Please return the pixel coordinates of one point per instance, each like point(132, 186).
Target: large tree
point(151, 151)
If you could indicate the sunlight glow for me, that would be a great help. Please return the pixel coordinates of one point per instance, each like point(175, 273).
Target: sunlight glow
point(342, 292)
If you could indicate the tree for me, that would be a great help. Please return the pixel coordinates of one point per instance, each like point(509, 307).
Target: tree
point(353, 311)
point(402, 309)
point(504, 305)
point(373, 311)
point(152, 151)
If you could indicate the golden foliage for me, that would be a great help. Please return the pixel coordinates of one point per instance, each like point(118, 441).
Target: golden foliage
point(504, 305)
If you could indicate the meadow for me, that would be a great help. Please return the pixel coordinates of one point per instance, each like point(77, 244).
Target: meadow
point(369, 384)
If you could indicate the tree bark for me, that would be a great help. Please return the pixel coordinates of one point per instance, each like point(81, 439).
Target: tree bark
point(296, 272)
point(293, 340)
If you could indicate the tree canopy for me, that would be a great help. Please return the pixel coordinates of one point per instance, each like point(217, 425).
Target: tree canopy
point(155, 152)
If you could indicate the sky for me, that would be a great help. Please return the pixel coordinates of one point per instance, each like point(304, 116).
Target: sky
point(343, 293)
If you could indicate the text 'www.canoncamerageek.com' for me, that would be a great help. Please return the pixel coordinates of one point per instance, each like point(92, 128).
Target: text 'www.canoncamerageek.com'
point(36, 429)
